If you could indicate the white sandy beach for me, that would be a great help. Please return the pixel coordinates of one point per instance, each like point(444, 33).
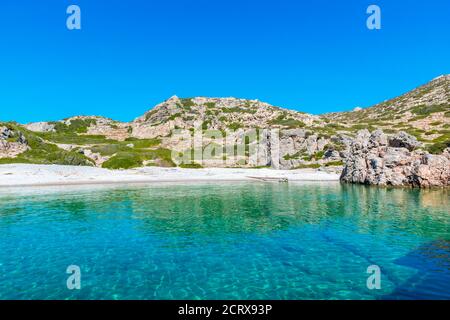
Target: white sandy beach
point(35, 175)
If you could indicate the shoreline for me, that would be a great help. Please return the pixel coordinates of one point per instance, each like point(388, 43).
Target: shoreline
point(31, 175)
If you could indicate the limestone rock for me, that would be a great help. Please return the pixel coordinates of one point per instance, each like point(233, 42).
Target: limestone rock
point(404, 140)
point(40, 127)
point(373, 159)
point(12, 143)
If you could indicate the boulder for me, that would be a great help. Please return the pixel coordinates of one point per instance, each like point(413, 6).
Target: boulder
point(5, 133)
point(431, 171)
point(40, 127)
point(404, 140)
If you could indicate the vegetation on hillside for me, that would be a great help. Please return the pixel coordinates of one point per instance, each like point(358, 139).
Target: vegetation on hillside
point(42, 152)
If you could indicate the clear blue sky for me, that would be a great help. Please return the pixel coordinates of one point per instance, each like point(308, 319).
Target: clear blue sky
point(314, 56)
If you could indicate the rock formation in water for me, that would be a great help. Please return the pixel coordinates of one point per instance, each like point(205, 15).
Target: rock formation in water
point(394, 160)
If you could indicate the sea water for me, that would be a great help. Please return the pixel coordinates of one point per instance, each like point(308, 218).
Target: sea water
point(224, 241)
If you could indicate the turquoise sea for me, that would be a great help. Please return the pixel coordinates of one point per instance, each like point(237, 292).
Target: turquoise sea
point(224, 241)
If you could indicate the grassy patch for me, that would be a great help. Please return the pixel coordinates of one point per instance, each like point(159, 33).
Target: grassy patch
point(73, 138)
point(122, 146)
point(334, 163)
point(75, 126)
point(358, 127)
point(124, 160)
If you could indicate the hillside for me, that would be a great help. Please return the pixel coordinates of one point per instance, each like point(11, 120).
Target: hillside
point(235, 133)
point(423, 112)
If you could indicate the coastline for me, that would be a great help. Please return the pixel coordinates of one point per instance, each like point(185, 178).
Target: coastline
point(20, 175)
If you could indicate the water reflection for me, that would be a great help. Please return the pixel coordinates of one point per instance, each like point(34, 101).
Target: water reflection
point(209, 209)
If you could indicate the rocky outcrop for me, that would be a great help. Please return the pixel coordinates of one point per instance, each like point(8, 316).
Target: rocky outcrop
point(224, 114)
point(110, 129)
point(40, 127)
point(404, 140)
point(378, 159)
point(12, 143)
point(299, 147)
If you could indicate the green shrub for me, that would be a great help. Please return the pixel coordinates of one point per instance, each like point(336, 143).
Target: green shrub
point(319, 155)
point(187, 103)
point(149, 114)
point(109, 149)
point(296, 155)
point(174, 116)
point(68, 158)
point(206, 124)
point(234, 126)
point(123, 160)
point(193, 165)
point(281, 120)
point(135, 158)
point(426, 110)
point(439, 147)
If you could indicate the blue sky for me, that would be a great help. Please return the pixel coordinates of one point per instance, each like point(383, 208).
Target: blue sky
point(314, 56)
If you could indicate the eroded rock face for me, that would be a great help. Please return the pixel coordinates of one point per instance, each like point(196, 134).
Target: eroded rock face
point(404, 140)
point(109, 129)
point(432, 170)
point(379, 159)
point(11, 144)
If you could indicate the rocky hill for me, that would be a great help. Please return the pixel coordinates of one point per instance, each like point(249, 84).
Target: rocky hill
point(230, 132)
point(423, 112)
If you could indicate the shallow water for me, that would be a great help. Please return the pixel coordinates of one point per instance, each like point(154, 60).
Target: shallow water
point(224, 241)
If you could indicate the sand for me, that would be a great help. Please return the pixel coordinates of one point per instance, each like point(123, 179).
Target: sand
point(37, 175)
